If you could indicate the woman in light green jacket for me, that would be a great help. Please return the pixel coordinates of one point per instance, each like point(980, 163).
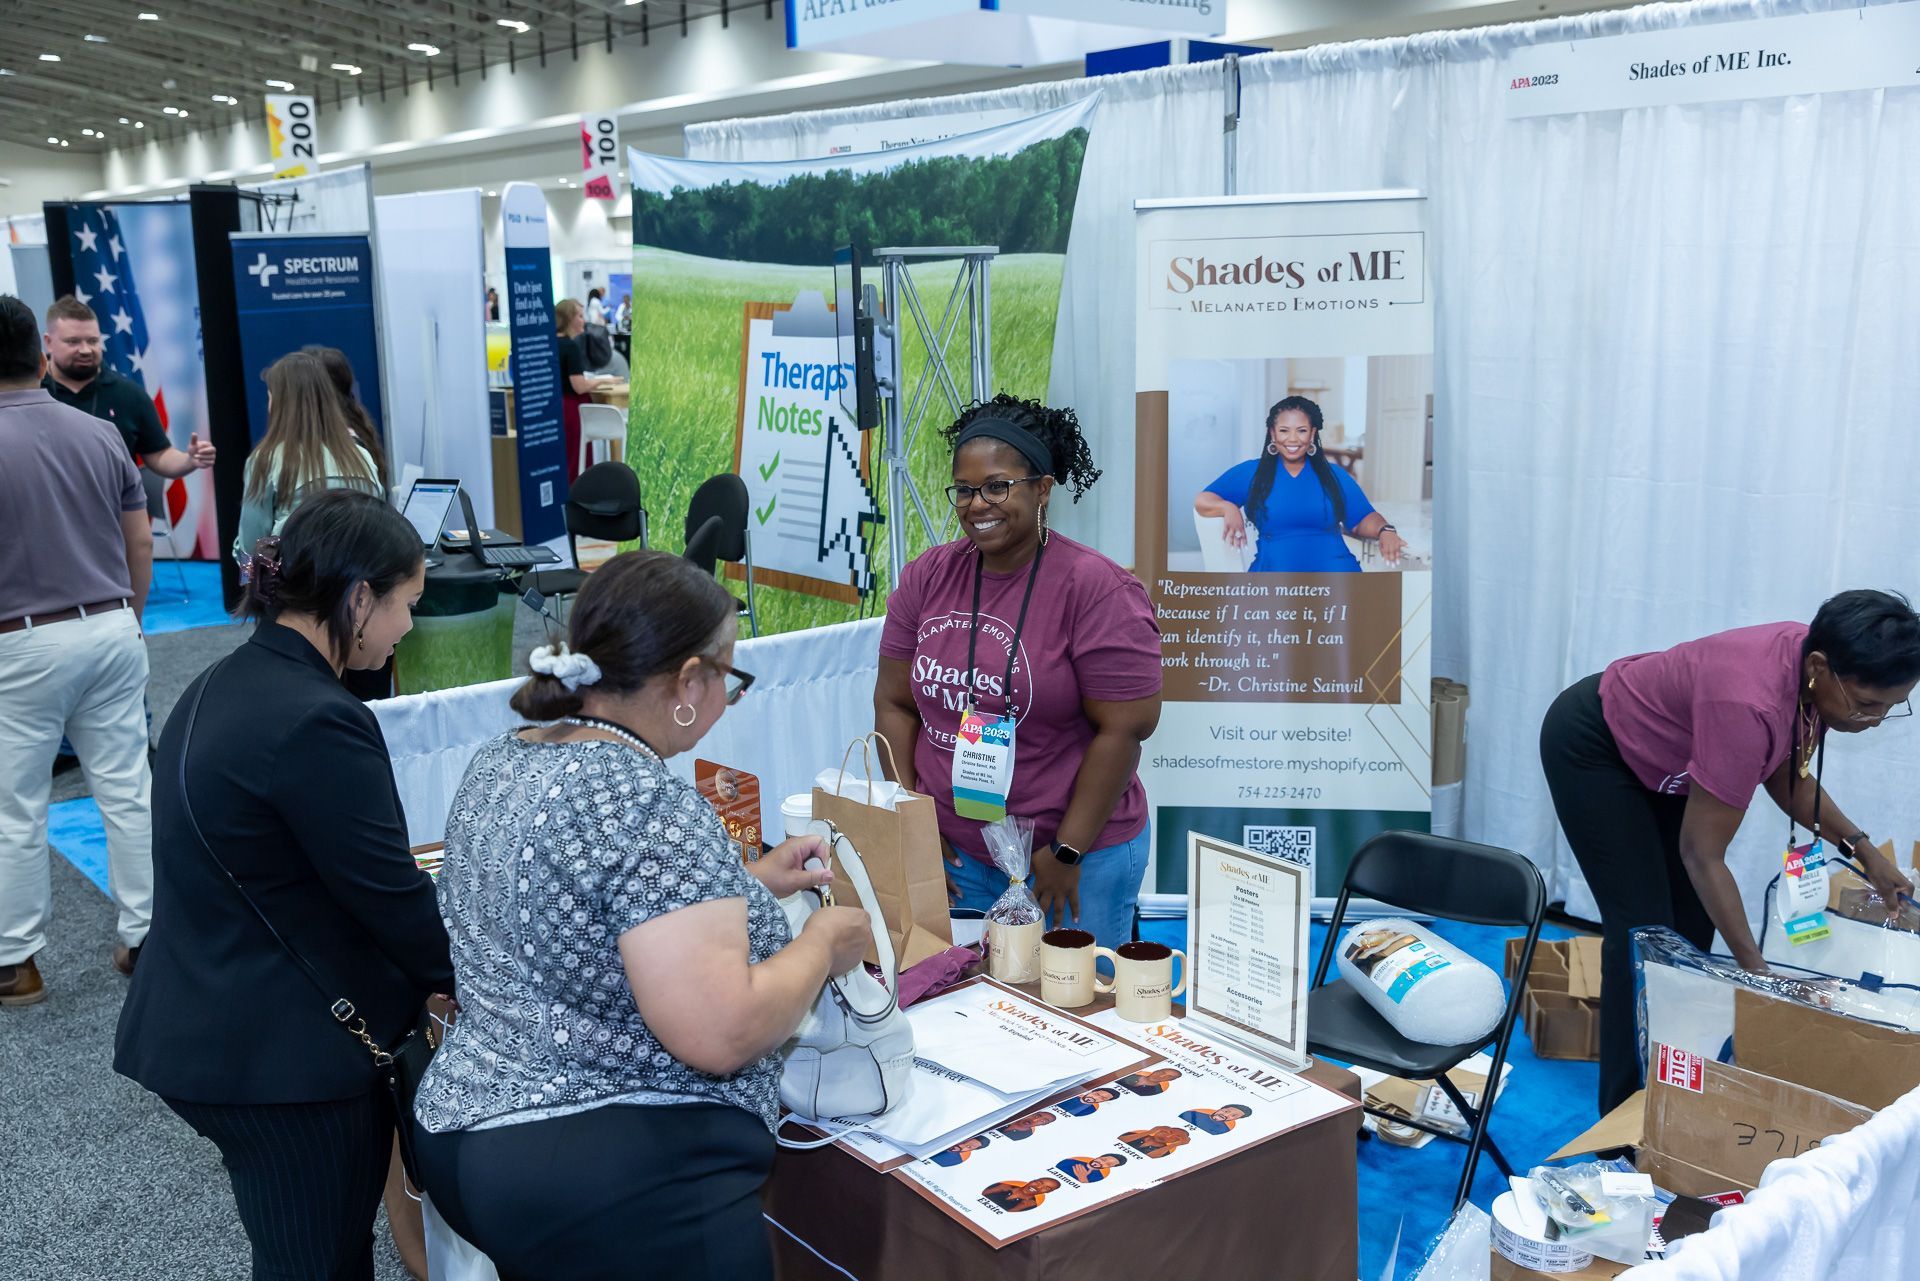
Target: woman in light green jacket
point(309, 446)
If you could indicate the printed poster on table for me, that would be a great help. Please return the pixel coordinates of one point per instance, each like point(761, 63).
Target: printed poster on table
point(1203, 1101)
point(1284, 417)
point(133, 263)
point(733, 286)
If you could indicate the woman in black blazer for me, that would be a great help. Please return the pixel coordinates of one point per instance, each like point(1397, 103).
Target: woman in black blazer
point(289, 780)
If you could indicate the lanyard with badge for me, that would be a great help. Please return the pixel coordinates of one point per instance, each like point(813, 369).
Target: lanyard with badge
point(983, 754)
point(1801, 903)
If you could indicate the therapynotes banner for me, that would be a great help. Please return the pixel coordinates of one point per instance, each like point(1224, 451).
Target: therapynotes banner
point(1284, 379)
point(739, 355)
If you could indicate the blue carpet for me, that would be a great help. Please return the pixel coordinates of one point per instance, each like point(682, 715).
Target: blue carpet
point(174, 608)
point(73, 828)
point(1410, 1193)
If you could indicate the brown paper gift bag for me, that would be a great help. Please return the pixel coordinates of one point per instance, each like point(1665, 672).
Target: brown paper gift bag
point(901, 848)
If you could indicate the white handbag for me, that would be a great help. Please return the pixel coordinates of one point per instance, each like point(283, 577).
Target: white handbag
point(852, 1056)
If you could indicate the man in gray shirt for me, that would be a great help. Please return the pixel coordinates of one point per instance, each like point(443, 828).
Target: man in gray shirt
point(76, 555)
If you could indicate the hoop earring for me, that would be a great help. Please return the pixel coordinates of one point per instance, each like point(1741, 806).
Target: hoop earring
point(1272, 448)
point(691, 714)
point(1313, 449)
point(1045, 533)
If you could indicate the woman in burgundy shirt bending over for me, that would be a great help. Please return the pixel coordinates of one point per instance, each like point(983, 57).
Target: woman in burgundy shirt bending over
point(1652, 764)
point(1066, 646)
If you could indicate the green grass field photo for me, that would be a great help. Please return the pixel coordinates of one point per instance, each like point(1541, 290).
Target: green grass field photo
point(688, 327)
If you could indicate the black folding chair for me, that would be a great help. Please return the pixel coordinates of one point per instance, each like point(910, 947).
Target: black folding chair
point(1436, 876)
point(717, 531)
point(603, 503)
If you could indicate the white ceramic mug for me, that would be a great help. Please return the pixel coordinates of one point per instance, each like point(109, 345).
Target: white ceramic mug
point(1067, 976)
point(1143, 989)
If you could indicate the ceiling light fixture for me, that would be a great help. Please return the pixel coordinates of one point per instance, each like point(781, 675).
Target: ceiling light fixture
point(286, 85)
point(514, 25)
point(65, 143)
point(182, 113)
point(93, 39)
point(4, 71)
point(633, 1)
point(139, 124)
point(492, 194)
point(49, 57)
point(347, 67)
point(172, 111)
point(430, 50)
point(53, 142)
point(227, 98)
point(149, 17)
point(86, 133)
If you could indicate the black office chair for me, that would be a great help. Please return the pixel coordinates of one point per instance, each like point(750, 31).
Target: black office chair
point(1457, 880)
point(717, 531)
point(603, 503)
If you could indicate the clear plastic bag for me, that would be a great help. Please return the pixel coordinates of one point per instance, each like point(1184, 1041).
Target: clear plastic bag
point(1463, 1252)
point(1582, 1213)
point(1015, 921)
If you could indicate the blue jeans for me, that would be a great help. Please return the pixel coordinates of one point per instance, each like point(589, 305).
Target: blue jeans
point(1109, 888)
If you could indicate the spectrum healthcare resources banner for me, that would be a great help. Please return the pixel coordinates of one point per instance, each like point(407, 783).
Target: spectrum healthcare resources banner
point(133, 264)
point(1296, 659)
point(294, 290)
point(542, 446)
point(736, 365)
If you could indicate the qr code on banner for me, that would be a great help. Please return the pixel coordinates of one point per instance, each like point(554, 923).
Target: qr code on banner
point(1289, 844)
point(546, 493)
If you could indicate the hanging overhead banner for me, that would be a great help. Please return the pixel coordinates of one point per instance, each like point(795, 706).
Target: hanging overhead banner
point(133, 264)
point(600, 156)
point(1284, 378)
point(291, 291)
point(1859, 47)
point(541, 443)
point(733, 281)
point(1000, 33)
point(292, 136)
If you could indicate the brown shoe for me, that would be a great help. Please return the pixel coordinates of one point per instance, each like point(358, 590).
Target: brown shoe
point(125, 958)
point(21, 985)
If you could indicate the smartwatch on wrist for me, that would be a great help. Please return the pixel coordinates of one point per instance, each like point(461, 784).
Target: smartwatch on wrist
point(1067, 855)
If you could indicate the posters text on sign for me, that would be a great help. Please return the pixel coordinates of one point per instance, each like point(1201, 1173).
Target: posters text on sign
point(1247, 928)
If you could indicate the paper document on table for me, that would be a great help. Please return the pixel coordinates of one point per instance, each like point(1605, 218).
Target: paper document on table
point(1011, 1042)
point(1202, 1102)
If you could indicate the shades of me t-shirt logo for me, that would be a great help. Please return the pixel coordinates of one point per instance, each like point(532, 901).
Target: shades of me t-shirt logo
point(940, 671)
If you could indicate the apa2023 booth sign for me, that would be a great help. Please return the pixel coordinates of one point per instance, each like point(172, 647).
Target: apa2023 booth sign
point(1284, 382)
point(292, 291)
point(733, 277)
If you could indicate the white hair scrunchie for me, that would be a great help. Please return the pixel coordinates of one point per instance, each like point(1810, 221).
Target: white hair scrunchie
point(570, 669)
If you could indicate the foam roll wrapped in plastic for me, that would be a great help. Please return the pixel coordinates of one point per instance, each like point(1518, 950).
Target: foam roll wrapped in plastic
point(1425, 987)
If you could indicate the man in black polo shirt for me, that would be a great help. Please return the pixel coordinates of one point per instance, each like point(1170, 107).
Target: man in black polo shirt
point(78, 376)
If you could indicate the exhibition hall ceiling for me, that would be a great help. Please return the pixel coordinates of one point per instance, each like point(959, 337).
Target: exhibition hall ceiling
point(76, 77)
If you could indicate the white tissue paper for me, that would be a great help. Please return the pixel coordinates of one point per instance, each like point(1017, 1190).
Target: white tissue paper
point(1426, 988)
point(882, 794)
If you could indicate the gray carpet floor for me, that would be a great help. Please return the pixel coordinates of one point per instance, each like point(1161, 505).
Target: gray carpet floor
point(98, 1180)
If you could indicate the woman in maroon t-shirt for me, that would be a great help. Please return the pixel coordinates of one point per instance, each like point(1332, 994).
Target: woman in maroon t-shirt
point(1652, 764)
point(1067, 645)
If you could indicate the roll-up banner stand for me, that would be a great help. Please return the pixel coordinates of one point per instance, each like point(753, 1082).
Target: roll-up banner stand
point(292, 291)
point(535, 362)
point(1284, 523)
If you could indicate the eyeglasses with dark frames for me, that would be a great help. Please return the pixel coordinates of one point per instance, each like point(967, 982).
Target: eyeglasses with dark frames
point(994, 491)
point(738, 682)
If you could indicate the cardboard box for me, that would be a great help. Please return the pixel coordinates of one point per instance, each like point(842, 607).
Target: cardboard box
point(1504, 1269)
point(1860, 1062)
point(1561, 1006)
point(1701, 1128)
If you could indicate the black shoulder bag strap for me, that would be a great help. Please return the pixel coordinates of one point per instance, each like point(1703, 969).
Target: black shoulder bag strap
point(400, 1068)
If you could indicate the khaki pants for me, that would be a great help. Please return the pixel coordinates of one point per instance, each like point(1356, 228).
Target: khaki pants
point(87, 679)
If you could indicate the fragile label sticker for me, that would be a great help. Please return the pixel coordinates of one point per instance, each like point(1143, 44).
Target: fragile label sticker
point(1682, 1069)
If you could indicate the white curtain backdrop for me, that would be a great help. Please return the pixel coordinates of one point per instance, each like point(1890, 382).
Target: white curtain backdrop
point(1678, 356)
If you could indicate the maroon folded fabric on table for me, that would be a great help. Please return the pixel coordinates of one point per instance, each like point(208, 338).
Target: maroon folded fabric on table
point(935, 974)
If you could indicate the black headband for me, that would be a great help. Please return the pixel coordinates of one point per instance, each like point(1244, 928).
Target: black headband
point(1009, 431)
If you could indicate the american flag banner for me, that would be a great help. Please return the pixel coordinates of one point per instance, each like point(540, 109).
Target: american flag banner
point(133, 265)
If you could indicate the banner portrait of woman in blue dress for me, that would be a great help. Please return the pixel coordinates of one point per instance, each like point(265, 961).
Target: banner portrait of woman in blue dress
point(1299, 503)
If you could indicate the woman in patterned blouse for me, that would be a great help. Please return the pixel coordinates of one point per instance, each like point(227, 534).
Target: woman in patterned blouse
point(604, 1105)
